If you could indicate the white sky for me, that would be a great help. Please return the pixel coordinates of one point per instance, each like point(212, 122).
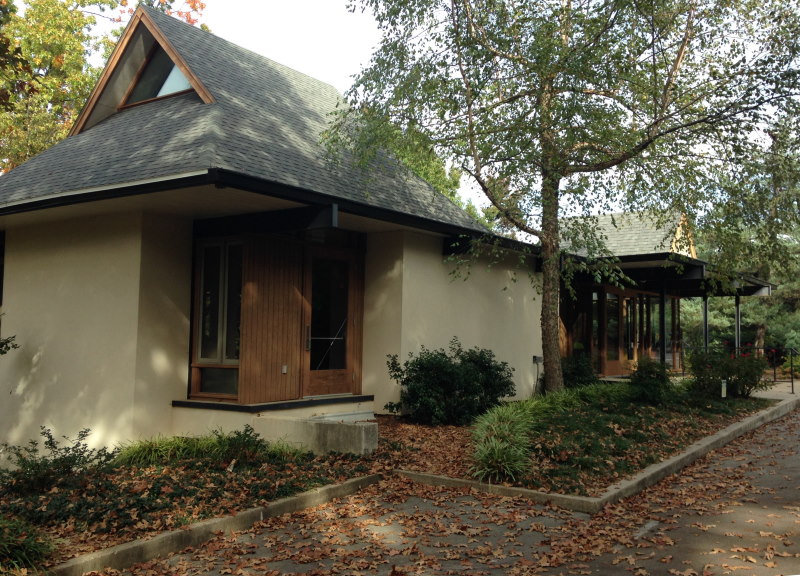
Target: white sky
point(320, 38)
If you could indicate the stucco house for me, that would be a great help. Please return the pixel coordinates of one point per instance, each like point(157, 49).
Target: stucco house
point(188, 260)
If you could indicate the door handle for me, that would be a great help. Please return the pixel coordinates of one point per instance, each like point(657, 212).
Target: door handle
point(308, 338)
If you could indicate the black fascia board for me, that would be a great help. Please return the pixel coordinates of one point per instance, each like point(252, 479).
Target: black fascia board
point(222, 178)
point(74, 197)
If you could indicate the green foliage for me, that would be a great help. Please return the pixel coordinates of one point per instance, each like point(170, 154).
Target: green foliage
point(672, 106)
point(53, 78)
point(178, 481)
point(747, 375)
point(60, 466)
point(598, 431)
point(743, 374)
point(577, 371)
point(501, 441)
point(449, 387)
point(244, 447)
point(21, 545)
point(8, 344)
point(650, 381)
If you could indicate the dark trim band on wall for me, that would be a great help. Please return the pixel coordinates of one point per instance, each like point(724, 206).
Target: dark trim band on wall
point(272, 406)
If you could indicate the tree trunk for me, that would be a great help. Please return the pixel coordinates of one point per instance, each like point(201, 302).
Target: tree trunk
point(551, 285)
point(761, 336)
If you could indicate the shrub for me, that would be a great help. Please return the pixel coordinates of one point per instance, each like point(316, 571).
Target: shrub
point(501, 439)
point(21, 545)
point(650, 381)
point(577, 371)
point(61, 466)
point(706, 371)
point(743, 374)
point(441, 387)
point(747, 375)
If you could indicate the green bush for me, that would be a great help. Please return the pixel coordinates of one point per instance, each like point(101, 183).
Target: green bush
point(650, 382)
point(743, 374)
point(577, 371)
point(501, 443)
point(706, 373)
point(449, 387)
point(60, 466)
point(747, 375)
point(21, 545)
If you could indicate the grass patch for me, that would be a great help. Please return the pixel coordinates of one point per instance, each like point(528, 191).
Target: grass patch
point(239, 448)
point(22, 546)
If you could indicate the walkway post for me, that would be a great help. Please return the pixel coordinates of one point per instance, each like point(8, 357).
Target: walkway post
point(705, 322)
point(662, 325)
point(738, 329)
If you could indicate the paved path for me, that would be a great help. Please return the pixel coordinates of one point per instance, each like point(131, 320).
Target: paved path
point(736, 511)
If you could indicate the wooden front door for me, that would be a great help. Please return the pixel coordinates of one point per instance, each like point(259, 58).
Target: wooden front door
point(332, 322)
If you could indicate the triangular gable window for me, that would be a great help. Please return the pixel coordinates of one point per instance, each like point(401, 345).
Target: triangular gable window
point(160, 77)
point(144, 66)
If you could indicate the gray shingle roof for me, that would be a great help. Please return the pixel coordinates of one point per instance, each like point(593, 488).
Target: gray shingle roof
point(265, 123)
point(635, 234)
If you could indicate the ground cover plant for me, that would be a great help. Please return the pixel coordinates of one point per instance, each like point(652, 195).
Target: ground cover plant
point(154, 486)
point(84, 499)
point(582, 440)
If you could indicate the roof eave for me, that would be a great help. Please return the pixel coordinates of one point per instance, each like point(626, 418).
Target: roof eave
point(222, 178)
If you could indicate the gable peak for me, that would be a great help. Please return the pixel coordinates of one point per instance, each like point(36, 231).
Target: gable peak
point(144, 66)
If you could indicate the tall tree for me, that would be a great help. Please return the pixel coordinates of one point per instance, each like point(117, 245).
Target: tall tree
point(10, 56)
point(760, 233)
point(575, 106)
point(53, 39)
point(188, 10)
point(46, 73)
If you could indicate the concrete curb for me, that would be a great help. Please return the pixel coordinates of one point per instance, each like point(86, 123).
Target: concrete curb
point(647, 477)
point(124, 555)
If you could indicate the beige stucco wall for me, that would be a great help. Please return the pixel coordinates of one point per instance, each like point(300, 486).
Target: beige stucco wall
point(93, 345)
point(162, 347)
point(413, 299)
point(101, 308)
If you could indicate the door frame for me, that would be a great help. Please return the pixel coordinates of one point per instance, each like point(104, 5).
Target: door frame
point(334, 382)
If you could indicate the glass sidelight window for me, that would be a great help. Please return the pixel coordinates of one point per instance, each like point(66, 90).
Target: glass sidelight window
point(219, 316)
point(329, 314)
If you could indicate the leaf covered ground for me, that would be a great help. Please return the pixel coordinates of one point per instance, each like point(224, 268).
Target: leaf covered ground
point(127, 503)
point(734, 511)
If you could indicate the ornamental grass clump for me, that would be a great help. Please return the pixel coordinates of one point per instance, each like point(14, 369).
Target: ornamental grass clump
point(243, 448)
point(22, 546)
point(501, 443)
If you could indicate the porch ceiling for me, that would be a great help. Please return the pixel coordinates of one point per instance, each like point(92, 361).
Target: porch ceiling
point(687, 277)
